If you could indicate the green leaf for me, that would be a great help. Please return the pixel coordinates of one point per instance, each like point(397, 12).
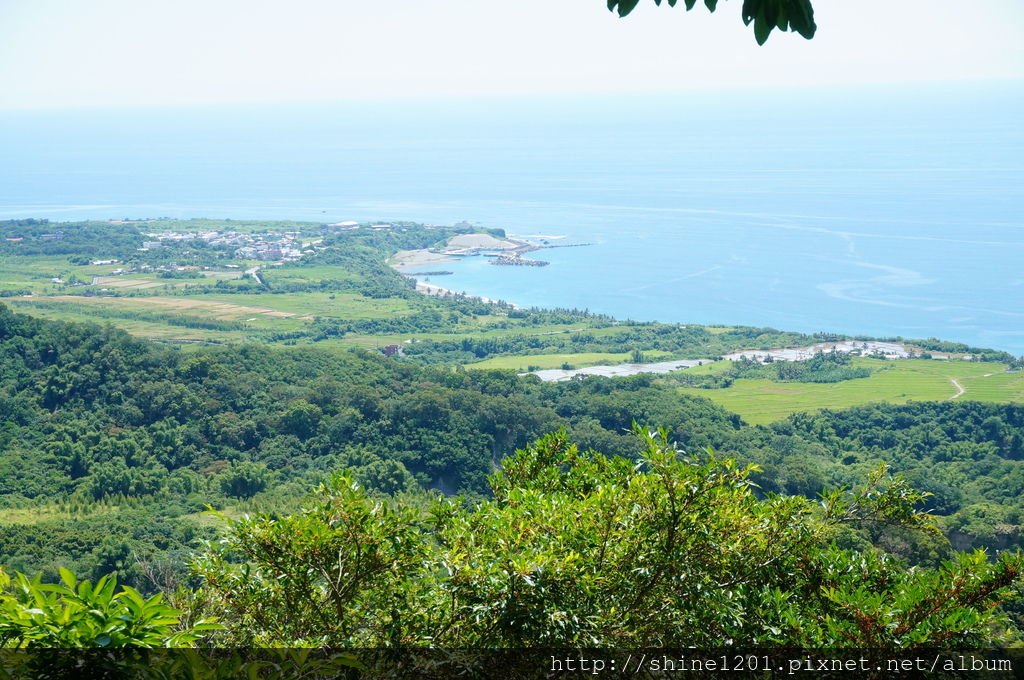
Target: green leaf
point(782, 18)
point(762, 27)
point(59, 589)
point(625, 6)
point(68, 577)
point(133, 600)
point(749, 10)
point(801, 18)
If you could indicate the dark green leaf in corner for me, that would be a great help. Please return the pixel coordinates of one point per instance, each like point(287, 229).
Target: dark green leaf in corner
point(782, 17)
point(762, 27)
point(624, 6)
point(766, 15)
point(802, 18)
point(749, 11)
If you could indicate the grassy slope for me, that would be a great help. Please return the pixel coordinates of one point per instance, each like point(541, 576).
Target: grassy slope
point(764, 401)
point(271, 313)
point(152, 330)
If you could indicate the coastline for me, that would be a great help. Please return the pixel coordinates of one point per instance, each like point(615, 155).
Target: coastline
point(404, 260)
point(430, 289)
point(463, 245)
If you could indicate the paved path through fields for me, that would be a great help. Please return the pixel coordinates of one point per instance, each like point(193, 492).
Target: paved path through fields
point(958, 386)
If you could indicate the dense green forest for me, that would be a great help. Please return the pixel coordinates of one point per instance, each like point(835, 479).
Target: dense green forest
point(570, 549)
point(112, 445)
point(575, 547)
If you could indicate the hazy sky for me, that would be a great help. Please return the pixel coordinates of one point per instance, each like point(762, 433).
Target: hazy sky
point(69, 53)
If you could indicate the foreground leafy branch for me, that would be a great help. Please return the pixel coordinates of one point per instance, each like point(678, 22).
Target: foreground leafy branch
point(83, 614)
point(580, 549)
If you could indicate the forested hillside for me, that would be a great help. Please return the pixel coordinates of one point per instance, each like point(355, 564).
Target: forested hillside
point(112, 446)
point(570, 549)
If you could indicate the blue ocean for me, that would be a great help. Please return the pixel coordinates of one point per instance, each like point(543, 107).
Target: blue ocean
point(883, 211)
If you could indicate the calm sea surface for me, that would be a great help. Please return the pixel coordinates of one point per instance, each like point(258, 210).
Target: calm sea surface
point(881, 211)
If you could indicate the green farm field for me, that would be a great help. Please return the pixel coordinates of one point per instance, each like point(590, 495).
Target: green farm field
point(350, 306)
point(285, 312)
point(765, 401)
point(34, 273)
point(482, 328)
point(269, 312)
point(306, 274)
point(153, 330)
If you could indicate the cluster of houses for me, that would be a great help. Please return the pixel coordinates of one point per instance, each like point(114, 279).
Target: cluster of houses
point(271, 246)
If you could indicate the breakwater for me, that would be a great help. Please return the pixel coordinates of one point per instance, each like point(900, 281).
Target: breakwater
point(516, 261)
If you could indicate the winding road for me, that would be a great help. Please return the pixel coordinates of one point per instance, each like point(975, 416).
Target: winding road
point(958, 386)
point(255, 273)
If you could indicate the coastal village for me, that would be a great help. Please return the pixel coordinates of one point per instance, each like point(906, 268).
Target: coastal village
point(278, 247)
point(268, 246)
point(271, 247)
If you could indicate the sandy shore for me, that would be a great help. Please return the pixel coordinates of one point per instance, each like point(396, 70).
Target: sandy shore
point(429, 289)
point(406, 261)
